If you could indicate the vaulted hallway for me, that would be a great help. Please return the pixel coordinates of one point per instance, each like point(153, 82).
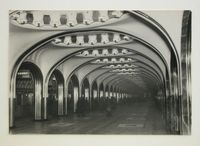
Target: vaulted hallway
point(140, 117)
point(99, 72)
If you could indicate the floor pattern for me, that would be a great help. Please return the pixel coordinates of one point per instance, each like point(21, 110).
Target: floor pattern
point(138, 118)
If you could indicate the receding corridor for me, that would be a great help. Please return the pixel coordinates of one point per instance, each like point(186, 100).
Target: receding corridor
point(99, 72)
point(136, 118)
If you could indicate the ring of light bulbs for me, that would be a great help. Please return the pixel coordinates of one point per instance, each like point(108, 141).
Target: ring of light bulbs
point(113, 60)
point(36, 19)
point(104, 52)
point(79, 40)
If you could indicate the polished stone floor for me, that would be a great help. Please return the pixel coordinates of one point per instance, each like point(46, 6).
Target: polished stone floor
point(138, 118)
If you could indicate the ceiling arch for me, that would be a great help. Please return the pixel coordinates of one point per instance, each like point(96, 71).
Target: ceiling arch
point(146, 42)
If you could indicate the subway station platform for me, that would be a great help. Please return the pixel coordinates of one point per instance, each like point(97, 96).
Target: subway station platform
point(137, 118)
point(68, 62)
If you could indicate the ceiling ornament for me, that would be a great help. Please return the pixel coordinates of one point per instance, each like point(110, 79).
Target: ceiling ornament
point(88, 39)
point(61, 20)
point(114, 60)
point(102, 52)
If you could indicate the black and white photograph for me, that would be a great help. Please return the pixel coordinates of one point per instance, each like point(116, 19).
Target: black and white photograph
point(99, 72)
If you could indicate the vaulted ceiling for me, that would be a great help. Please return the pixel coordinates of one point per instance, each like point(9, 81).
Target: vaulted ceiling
point(126, 49)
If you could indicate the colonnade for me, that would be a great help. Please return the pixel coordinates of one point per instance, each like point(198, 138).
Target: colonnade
point(53, 70)
point(62, 96)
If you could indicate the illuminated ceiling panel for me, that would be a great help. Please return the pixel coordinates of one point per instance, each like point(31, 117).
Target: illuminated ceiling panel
point(60, 20)
point(114, 60)
point(92, 38)
point(129, 65)
point(104, 52)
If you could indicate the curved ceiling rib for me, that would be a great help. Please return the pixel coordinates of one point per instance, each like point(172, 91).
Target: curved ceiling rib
point(64, 59)
point(141, 69)
point(62, 37)
point(104, 76)
point(126, 85)
point(105, 57)
point(57, 20)
point(160, 79)
point(58, 64)
point(107, 77)
point(143, 75)
point(158, 27)
point(112, 80)
point(152, 71)
point(102, 65)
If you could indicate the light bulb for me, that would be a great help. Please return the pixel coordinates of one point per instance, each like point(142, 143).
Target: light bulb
point(57, 41)
point(92, 39)
point(22, 18)
point(126, 38)
point(114, 51)
point(105, 52)
point(124, 51)
point(113, 60)
point(71, 18)
point(67, 40)
point(116, 38)
point(37, 18)
point(85, 53)
point(117, 14)
point(79, 40)
point(95, 52)
point(103, 16)
point(105, 60)
point(104, 38)
point(55, 19)
point(87, 17)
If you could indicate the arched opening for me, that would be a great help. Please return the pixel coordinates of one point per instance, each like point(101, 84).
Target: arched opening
point(85, 92)
point(85, 95)
point(101, 90)
point(115, 92)
point(28, 92)
point(73, 92)
point(94, 98)
point(186, 71)
point(174, 98)
point(106, 91)
point(111, 91)
point(55, 94)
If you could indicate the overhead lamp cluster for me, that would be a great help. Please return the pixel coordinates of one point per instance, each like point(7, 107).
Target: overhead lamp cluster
point(64, 19)
point(24, 74)
point(127, 73)
point(120, 66)
point(113, 60)
point(123, 70)
point(104, 52)
point(91, 39)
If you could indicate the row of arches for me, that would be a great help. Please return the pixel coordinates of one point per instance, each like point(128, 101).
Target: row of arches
point(50, 94)
point(30, 103)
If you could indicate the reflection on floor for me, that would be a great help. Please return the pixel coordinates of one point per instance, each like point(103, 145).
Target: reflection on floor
point(138, 118)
